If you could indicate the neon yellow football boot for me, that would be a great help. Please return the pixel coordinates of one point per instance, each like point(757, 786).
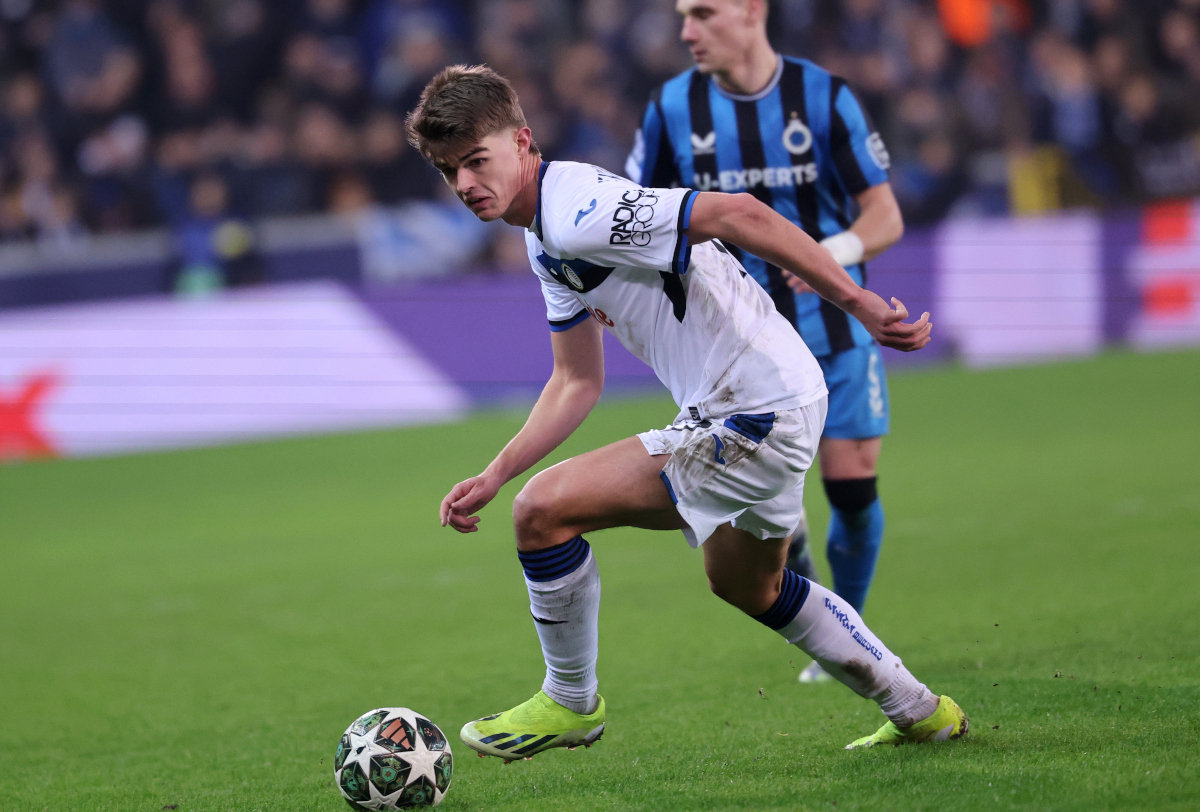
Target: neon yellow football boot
point(947, 722)
point(531, 727)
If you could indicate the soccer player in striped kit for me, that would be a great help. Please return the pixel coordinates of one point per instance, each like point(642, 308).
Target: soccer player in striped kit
point(747, 119)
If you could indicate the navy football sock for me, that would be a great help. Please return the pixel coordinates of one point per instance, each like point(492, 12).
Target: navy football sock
point(855, 536)
point(793, 590)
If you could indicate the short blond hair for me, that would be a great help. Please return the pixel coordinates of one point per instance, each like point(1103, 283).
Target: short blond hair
point(460, 107)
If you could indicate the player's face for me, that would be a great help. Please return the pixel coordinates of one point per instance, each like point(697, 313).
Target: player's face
point(718, 32)
point(486, 176)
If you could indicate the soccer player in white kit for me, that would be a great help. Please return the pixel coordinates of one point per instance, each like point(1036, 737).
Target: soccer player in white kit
point(649, 265)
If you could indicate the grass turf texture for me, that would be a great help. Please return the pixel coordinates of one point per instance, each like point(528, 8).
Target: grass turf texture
point(198, 628)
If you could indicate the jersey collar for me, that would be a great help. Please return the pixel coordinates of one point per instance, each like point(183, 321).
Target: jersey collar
point(771, 85)
point(537, 212)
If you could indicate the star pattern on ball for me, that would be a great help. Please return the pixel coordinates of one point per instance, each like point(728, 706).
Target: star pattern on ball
point(422, 760)
point(378, 752)
point(362, 747)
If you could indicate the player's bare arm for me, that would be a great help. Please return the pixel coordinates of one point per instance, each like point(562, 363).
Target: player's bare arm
point(570, 394)
point(753, 226)
point(879, 224)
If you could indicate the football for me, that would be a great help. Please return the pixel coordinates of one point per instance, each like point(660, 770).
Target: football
point(393, 758)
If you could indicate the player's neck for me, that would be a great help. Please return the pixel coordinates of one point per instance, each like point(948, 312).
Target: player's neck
point(752, 73)
point(524, 206)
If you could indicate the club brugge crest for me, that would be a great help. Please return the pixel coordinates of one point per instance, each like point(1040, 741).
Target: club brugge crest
point(797, 137)
point(572, 278)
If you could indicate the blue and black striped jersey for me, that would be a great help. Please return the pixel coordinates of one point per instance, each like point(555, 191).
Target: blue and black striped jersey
point(804, 146)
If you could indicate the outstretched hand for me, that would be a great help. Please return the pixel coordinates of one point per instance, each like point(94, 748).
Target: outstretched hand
point(464, 500)
point(886, 325)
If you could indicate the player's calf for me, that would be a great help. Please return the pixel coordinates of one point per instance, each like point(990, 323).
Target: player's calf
point(799, 554)
point(744, 571)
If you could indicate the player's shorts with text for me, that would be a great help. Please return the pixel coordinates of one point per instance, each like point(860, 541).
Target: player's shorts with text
point(745, 468)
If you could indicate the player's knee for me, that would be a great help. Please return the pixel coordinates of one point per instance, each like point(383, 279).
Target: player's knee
point(753, 595)
point(534, 515)
point(851, 496)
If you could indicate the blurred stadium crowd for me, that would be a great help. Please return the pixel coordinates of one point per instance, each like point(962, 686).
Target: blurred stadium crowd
point(125, 114)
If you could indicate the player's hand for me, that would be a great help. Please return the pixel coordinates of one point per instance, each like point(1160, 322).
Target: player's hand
point(465, 500)
point(886, 325)
point(797, 284)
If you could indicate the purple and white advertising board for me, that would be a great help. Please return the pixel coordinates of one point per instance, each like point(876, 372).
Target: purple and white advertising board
point(157, 373)
point(1018, 290)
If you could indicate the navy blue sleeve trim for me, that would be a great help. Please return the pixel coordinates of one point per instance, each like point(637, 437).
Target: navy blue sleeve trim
point(537, 214)
point(683, 250)
point(567, 324)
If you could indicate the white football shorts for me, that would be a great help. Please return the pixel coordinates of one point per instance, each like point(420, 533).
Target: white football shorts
point(747, 469)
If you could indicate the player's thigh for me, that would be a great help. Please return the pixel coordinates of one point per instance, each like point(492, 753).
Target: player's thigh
point(614, 486)
point(743, 569)
point(849, 459)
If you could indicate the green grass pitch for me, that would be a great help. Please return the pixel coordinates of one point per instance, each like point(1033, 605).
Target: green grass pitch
point(197, 628)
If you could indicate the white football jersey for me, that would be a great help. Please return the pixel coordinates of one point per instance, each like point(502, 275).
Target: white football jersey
point(606, 248)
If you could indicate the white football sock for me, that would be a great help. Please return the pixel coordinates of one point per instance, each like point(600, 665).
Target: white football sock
point(566, 612)
point(832, 633)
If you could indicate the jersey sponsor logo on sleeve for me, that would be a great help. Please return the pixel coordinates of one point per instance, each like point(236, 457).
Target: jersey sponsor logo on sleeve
point(797, 137)
point(772, 177)
point(572, 278)
point(633, 218)
point(584, 276)
point(878, 151)
point(585, 212)
point(704, 144)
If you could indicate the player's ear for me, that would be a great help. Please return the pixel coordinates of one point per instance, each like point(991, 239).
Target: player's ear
point(524, 137)
point(756, 11)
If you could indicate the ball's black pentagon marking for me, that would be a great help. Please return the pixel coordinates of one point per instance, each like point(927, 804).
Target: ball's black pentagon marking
point(342, 751)
point(397, 735)
point(430, 734)
point(443, 771)
point(354, 783)
point(367, 722)
point(389, 773)
point(419, 793)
